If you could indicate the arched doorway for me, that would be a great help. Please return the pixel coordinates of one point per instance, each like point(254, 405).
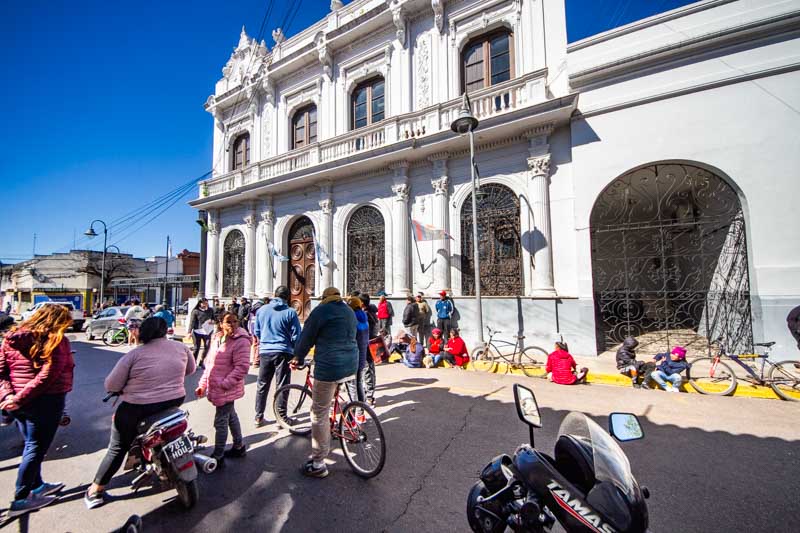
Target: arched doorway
point(233, 265)
point(302, 267)
point(669, 261)
point(366, 270)
point(499, 244)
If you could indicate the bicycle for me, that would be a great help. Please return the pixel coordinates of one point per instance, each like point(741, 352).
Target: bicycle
point(115, 336)
point(530, 360)
point(354, 423)
point(709, 375)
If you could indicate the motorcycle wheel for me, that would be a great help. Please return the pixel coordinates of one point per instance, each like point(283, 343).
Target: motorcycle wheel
point(188, 493)
point(481, 521)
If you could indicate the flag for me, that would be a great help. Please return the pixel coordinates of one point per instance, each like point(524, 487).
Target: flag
point(424, 232)
point(276, 254)
point(322, 256)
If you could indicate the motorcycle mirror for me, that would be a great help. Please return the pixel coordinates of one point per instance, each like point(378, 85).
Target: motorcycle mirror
point(625, 427)
point(527, 408)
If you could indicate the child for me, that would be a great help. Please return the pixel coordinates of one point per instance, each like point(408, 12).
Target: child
point(668, 369)
point(435, 346)
point(626, 361)
point(457, 353)
point(412, 357)
point(561, 366)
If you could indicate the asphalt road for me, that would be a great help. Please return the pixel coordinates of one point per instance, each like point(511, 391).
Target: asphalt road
point(711, 464)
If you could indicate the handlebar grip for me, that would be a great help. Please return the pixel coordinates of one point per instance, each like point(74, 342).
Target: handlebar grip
point(305, 365)
point(110, 395)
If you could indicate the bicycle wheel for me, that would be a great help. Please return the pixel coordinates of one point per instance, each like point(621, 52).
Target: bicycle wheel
point(532, 360)
point(292, 407)
point(784, 378)
point(362, 440)
point(115, 337)
point(485, 360)
point(708, 377)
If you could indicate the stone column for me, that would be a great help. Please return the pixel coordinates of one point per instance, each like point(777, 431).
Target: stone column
point(441, 219)
point(265, 263)
point(250, 253)
point(326, 236)
point(212, 260)
point(541, 241)
point(402, 230)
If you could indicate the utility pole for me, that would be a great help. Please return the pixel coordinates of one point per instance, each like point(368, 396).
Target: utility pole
point(34, 245)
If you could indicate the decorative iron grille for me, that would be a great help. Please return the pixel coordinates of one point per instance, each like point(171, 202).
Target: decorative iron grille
point(669, 261)
point(233, 265)
point(301, 230)
point(366, 270)
point(499, 244)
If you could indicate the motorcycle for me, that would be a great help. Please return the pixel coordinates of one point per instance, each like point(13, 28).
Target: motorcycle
point(587, 486)
point(164, 450)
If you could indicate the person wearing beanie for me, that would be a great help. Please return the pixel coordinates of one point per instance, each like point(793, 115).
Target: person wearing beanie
point(627, 363)
point(668, 369)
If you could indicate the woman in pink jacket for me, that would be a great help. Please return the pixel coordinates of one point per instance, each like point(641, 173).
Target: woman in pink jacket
point(223, 383)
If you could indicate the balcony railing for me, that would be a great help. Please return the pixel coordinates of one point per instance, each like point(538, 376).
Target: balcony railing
point(491, 101)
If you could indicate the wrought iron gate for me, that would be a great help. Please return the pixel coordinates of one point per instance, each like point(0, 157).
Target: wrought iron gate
point(669, 261)
point(366, 254)
point(233, 265)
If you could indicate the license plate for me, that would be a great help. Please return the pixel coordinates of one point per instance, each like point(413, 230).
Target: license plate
point(178, 448)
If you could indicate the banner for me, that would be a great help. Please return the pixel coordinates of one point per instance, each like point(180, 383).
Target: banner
point(424, 232)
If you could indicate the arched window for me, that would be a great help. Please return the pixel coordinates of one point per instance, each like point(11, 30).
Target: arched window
point(233, 265)
point(304, 126)
point(366, 270)
point(367, 103)
point(241, 151)
point(487, 60)
point(499, 244)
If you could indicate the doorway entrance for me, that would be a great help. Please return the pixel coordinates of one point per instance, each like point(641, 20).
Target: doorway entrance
point(302, 266)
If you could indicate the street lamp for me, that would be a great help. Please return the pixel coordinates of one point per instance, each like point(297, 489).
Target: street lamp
point(91, 233)
point(466, 122)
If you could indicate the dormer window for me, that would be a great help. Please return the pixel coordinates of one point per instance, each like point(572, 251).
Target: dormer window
point(241, 151)
point(367, 103)
point(487, 60)
point(304, 126)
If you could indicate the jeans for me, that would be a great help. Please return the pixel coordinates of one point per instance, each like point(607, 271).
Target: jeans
point(124, 431)
point(368, 379)
point(37, 422)
point(443, 356)
point(661, 378)
point(224, 418)
point(271, 364)
point(206, 340)
point(385, 323)
point(321, 397)
point(444, 325)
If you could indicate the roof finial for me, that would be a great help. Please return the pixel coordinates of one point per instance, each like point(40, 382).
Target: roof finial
point(244, 41)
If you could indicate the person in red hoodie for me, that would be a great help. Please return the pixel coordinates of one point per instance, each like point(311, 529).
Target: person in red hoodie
point(435, 348)
point(456, 349)
point(561, 366)
point(36, 367)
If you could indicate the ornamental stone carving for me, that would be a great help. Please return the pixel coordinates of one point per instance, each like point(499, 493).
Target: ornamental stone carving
point(336, 5)
point(324, 54)
point(399, 19)
point(440, 186)
point(268, 217)
point(213, 229)
point(326, 205)
point(250, 221)
point(400, 192)
point(278, 36)
point(266, 127)
point(423, 74)
point(438, 14)
point(540, 166)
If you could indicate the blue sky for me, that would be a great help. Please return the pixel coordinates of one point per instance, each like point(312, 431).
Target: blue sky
point(103, 108)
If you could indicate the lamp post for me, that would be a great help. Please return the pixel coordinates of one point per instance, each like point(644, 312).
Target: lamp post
point(91, 233)
point(466, 123)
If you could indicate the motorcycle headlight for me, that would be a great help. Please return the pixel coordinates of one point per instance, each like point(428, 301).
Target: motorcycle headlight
point(496, 474)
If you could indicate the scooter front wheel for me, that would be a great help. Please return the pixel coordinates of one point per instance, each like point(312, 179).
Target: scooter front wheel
point(480, 520)
point(188, 493)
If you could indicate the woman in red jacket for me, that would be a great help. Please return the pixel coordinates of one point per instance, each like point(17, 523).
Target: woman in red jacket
point(36, 368)
point(456, 349)
point(561, 366)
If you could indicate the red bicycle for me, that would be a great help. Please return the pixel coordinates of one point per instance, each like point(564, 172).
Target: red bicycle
point(354, 423)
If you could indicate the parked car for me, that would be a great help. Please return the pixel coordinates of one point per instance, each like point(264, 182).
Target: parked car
point(78, 317)
point(105, 320)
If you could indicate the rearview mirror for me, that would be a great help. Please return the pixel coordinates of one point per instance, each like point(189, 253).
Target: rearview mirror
point(625, 427)
point(527, 408)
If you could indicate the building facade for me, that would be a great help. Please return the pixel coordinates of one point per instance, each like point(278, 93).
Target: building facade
point(635, 182)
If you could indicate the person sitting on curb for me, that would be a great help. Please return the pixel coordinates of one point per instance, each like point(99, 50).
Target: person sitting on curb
point(668, 369)
point(561, 366)
point(627, 363)
point(435, 347)
point(414, 353)
point(456, 350)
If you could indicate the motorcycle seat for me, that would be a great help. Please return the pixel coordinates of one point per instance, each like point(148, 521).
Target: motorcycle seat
point(146, 424)
point(575, 462)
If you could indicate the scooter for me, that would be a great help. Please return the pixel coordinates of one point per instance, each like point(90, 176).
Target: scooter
point(587, 485)
point(165, 451)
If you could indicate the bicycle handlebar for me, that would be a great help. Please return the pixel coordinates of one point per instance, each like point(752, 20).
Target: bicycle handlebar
point(304, 365)
point(110, 395)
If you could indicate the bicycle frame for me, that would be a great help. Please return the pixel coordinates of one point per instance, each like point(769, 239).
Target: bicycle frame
point(751, 369)
point(336, 412)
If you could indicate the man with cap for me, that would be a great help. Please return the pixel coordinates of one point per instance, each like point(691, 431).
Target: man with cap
point(277, 328)
point(331, 329)
point(668, 369)
point(444, 312)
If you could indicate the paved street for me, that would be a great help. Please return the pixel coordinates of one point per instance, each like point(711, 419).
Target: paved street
point(712, 464)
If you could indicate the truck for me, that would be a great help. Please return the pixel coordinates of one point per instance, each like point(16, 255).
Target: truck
point(78, 317)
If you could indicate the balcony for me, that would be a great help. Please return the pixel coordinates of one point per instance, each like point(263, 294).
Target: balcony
point(500, 99)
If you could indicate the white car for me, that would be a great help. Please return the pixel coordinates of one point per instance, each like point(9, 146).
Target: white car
point(77, 315)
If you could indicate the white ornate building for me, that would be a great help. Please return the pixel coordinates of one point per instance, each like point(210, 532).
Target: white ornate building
point(640, 181)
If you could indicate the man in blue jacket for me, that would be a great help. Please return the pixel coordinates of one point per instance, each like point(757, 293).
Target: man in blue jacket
point(444, 312)
point(277, 329)
point(331, 328)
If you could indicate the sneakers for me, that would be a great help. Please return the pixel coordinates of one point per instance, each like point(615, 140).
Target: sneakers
point(48, 489)
point(312, 471)
point(260, 422)
point(671, 388)
point(235, 453)
point(636, 385)
point(96, 500)
point(31, 503)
